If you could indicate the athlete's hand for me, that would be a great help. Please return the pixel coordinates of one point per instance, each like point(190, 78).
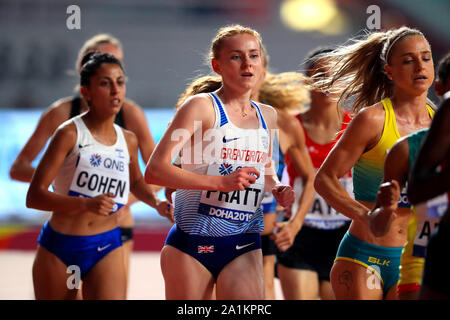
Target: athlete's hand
point(165, 209)
point(101, 204)
point(285, 235)
point(284, 195)
point(239, 180)
point(168, 194)
point(389, 195)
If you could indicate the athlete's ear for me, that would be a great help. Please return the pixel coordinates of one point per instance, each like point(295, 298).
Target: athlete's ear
point(388, 70)
point(215, 65)
point(85, 93)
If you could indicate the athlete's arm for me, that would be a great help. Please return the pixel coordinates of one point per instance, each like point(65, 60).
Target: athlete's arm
point(396, 167)
point(39, 197)
point(282, 193)
point(299, 156)
point(53, 116)
point(195, 116)
point(363, 131)
point(136, 121)
point(425, 182)
point(292, 141)
point(138, 187)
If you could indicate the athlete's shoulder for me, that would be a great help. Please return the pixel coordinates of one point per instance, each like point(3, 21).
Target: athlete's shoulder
point(267, 109)
point(401, 147)
point(130, 106)
point(370, 115)
point(287, 121)
point(199, 104)
point(67, 130)
point(269, 114)
point(130, 136)
point(59, 110)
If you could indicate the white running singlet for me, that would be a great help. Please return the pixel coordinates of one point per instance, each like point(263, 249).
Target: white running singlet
point(92, 168)
point(225, 148)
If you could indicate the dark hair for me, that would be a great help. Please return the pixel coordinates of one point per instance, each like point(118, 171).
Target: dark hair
point(443, 70)
point(314, 55)
point(91, 62)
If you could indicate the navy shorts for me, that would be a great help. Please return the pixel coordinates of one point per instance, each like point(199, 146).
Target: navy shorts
point(214, 253)
point(313, 249)
point(268, 246)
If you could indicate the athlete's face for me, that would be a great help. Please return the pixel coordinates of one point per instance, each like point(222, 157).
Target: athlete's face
point(411, 65)
point(106, 89)
point(239, 61)
point(319, 67)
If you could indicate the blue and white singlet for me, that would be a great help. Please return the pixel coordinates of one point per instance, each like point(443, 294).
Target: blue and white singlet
point(225, 148)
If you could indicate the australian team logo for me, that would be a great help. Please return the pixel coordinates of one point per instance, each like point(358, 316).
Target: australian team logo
point(225, 169)
point(95, 160)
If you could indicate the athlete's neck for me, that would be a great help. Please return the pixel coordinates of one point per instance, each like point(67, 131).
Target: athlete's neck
point(410, 107)
point(237, 101)
point(324, 114)
point(100, 126)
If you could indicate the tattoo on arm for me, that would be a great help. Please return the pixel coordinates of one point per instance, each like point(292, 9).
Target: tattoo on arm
point(345, 278)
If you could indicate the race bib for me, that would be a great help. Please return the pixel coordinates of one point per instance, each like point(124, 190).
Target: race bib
point(99, 174)
point(428, 216)
point(322, 215)
point(238, 205)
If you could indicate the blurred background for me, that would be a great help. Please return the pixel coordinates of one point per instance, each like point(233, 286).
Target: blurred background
point(165, 43)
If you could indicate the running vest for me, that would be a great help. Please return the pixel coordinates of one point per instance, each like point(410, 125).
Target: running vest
point(321, 215)
point(92, 168)
point(216, 213)
point(368, 170)
point(75, 110)
point(428, 213)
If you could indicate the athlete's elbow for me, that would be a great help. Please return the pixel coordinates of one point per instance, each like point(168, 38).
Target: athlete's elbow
point(319, 182)
point(13, 171)
point(31, 199)
point(153, 173)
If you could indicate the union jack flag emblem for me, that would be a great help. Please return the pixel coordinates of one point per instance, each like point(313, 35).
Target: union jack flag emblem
point(205, 249)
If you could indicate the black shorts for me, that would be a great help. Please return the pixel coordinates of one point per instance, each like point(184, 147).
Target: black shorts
point(435, 273)
point(126, 234)
point(268, 246)
point(313, 249)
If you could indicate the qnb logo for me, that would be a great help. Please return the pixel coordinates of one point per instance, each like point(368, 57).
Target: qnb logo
point(95, 160)
point(225, 169)
point(112, 164)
